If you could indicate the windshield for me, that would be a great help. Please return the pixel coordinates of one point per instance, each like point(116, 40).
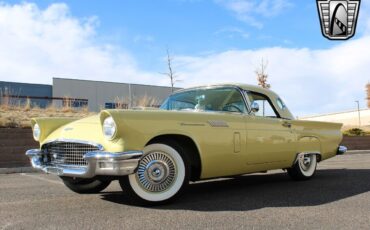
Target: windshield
point(216, 99)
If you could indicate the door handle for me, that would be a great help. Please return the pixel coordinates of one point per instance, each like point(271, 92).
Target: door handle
point(287, 124)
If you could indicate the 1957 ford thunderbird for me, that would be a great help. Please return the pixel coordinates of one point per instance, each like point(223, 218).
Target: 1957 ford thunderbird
point(198, 133)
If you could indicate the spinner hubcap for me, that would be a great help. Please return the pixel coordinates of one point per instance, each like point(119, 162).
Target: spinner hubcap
point(305, 162)
point(156, 172)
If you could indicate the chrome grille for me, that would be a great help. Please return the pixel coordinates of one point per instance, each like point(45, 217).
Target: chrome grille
point(67, 153)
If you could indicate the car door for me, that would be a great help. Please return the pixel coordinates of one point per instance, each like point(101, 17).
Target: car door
point(270, 139)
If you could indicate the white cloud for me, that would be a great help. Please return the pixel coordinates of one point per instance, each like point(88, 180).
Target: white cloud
point(143, 38)
point(310, 81)
point(233, 32)
point(39, 44)
point(250, 11)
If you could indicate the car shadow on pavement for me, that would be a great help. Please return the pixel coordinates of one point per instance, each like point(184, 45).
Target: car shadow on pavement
point(260, 191)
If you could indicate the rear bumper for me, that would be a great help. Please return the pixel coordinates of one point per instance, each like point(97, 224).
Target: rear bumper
point(341, 150)
point(99, 163)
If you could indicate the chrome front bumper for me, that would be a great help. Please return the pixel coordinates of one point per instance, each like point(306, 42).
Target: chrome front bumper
point(99, 163)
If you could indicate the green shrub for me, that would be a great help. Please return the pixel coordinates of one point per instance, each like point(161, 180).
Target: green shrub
point(354, 132)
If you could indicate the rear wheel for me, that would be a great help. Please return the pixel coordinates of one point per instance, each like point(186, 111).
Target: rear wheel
point(162, 175)
point(85, 186)
point(304, 168)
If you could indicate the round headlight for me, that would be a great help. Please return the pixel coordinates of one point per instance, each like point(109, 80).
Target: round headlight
point(109, 128)
point(36, 132)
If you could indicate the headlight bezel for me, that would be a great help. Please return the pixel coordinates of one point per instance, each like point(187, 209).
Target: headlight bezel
point(109, 128)
point(36, 132)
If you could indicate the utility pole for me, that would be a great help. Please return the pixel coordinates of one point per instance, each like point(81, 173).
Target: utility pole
point(359, 116)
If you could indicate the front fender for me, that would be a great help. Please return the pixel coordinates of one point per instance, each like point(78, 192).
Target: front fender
point(48, 125)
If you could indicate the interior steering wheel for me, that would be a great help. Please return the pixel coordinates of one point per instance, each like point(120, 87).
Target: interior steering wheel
point(225, 108)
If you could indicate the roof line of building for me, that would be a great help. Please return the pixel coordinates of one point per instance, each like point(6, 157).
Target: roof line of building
point(14, 82)
point(328, 114)
point(176, 88)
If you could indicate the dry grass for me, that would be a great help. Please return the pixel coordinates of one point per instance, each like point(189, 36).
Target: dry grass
point(146, 101)
point(21, 116)
point(14, 114)
point(365, 128)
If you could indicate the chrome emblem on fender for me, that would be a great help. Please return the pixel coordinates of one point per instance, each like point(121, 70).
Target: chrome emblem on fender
point(214, 123)
point(338, 18)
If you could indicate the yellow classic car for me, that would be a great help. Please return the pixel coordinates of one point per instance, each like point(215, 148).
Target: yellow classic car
point(198, 133)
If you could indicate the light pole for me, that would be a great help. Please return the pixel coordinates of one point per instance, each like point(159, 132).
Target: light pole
point(359, 117)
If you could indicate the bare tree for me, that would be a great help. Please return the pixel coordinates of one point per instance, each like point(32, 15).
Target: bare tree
point(171, 74)
point(262, 75)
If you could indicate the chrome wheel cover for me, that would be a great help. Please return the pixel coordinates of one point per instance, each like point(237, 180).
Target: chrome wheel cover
point(305, 162)
point(156, 172)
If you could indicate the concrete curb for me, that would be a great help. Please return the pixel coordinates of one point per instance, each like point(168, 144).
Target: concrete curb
point(357, 152)
point(17, 170)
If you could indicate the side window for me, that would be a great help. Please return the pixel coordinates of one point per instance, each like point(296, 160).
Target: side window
point(266, 109)
point(180, 105)
point(217, 99)
point(232, 102)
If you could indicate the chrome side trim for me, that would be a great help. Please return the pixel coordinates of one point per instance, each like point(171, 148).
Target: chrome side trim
point(217, 123)
point(99, 163)
point(341, 150)
point(99, 146)
point(191, 124)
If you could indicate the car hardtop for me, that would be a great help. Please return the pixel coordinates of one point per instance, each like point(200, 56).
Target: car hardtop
point(246, 87)
point(283, 112)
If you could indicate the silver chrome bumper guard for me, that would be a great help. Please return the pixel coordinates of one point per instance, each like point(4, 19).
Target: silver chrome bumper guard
point(99, 163)
point(341, 150)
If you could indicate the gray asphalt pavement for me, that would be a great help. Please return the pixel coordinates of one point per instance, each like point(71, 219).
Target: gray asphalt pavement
point(338, 197)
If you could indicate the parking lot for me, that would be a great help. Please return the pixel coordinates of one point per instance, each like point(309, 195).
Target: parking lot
point(338, 197)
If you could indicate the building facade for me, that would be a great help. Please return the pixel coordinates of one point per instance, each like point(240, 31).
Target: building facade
point(18, 93)
point(96, 95)
point(102, 94)
point(350, 119)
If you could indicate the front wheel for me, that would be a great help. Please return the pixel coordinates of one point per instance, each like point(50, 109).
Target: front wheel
point(85, 186)
point(161, 175)
point(304, 168)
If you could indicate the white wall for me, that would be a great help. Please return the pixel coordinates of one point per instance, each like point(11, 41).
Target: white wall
point(349, 118)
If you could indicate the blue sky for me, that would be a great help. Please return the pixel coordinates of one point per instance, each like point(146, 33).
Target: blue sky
point(195, 27)
point(210, 41)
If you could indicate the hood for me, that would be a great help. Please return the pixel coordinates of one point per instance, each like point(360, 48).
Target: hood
point(87, 129)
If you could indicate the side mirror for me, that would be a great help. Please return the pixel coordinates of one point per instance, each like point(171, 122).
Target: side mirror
point(255, 107)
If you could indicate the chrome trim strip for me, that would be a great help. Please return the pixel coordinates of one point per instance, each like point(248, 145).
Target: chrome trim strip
point(341, 150)
point(191, 124)
point(217, 123)
point(99, 163)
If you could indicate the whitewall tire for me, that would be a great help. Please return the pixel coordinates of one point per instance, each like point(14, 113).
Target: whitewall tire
point(161, 175)
point(304, 167)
